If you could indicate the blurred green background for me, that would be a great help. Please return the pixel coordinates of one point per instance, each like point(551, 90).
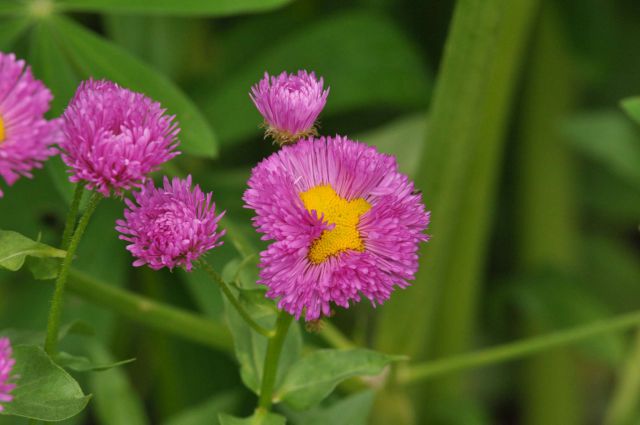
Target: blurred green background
point(530, 165)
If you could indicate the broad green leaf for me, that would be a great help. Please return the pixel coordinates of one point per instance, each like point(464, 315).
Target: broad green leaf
point(44, 390)
point(314, 376)
point(15, 248)
point(251, 347)
point(258, 418)
point(96, 57)
point(632, 107)
point(11, 30)
point(355, 52)
point(352, 410)
point(607, 137)
point(83, 364)
point(207, 412)
point(43, 268)
point(171, 7)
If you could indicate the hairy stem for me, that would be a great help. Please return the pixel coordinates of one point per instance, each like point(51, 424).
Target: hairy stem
point(70, 223)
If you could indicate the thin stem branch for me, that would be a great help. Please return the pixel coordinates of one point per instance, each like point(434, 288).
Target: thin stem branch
point(234, 301)
point(515, 350)
point(70, 224)
point(270, 370)
point(53, 324)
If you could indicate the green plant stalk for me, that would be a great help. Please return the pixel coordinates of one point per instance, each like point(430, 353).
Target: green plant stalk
point(151, 313)
point(70, 223)
point(272, 359)
point(53, 323)
point(458, 173)
point(482, 358)
point(546, 216)
point(623, 407)
point(234, 301)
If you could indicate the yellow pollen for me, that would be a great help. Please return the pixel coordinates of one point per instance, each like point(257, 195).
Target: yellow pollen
point(1, 130)
point(344, 214)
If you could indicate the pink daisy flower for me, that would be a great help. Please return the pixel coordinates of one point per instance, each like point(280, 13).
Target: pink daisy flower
point(25, 136)
point(344, 222)
point(290, 104)
point(6, 364)
point(113, 137)
point(170, 226)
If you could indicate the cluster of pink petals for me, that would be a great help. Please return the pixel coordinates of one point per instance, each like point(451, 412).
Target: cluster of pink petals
point(290, 103)
point(27, 136)
point(6, 365)
point(114, 137)
point(170, 226)
point(391, 230)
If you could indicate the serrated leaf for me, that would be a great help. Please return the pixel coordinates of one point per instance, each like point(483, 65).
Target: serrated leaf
point(315, 376)
point(631, 106)
point(15, 248)
point(258, 418)
point(44, 390)
point(98, 58)
point(171, 7)
point(84, 364)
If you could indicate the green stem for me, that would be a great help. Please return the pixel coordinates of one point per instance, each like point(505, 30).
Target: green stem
point(70, 224)
point(515, 350)
point(234, 301)
point(270, 371)
point(53, 324)
point(624, 402)
point(148, 312)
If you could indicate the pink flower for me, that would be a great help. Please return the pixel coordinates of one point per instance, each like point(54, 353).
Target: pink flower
point(344, 222)
point(6, 364)
point(170, 226)
point(25, 136)
point(113, 137)
point(290, 104)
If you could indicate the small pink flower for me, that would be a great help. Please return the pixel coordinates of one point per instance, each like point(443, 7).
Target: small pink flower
point(25, 136)
point(6, 365)
point(113, 137)
point(290, 104)
point(171, 225)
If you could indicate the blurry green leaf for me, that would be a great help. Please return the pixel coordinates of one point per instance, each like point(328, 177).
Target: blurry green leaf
point(23, 336)
point(403, 138)
point(44, 390)
point(43, 268)
point(353, 410)
point(116, 401)
point(632, 107)
point(365, 58)
point(83, 364)
point(609, 138)
point(11, 30)
point(15, 248)
point(98, 58)
point(251, 347)
point(171, 7)
point(12, 7)
point(313, 377)
point(259, 418)
point(207, 412)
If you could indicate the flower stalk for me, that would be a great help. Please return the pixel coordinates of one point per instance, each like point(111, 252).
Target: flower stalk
point(270, 370)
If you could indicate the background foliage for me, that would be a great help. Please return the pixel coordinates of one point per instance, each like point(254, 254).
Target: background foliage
point(521, 148)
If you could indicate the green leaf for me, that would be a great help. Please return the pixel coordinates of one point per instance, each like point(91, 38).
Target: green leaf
point(258, 418)
point(315, 376)
point(171, 7)
point(11, 30)
point(15, 248)
point(96, 57)
point(631, 106)
point(251, 347)
point(353, 410)
point(354, 52)
point(83, 364)
point(207, 412)
point(44, 390)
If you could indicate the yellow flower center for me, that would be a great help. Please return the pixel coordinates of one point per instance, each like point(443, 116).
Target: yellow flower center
point(1, 130)
point(344, 214)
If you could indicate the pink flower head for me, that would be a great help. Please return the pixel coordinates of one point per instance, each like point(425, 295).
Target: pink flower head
point(25, 136)
point(171, 225)
point(113, 137)
point(6, 364)
point(344, 222)
point(290, 104)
